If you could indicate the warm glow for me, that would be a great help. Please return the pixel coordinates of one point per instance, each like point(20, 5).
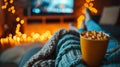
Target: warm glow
point(20, 37)
point(14, 40)
point(4, 7)
point(6, 3)
point(86, 5)
point(18, 19)
point(9, 9)
point(11, 1)
point(5, 0)
point(23, 38)
point(12, 7)
point(22, 21)
point(13, 11)
point(88, 1)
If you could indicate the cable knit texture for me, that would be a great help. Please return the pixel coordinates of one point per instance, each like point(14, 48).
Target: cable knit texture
point(63, 50)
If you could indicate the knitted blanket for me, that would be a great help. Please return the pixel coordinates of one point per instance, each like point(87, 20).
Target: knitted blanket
point(63, 50)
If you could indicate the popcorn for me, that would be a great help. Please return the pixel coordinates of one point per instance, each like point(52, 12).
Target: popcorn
point(94, 35)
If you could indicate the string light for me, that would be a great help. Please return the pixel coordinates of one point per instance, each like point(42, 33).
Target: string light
point(3, 7)
point(11, 1)
point(18, 19)
point(6, 3)
point(9, 9)
point(5, 0)
point(22, 21)
point(12, 7)
point(20, 37)
point(13, 11)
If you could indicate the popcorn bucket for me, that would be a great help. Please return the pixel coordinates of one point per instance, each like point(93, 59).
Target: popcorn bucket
point(93, 51)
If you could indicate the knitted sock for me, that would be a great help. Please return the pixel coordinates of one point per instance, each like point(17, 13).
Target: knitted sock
point(87, 15)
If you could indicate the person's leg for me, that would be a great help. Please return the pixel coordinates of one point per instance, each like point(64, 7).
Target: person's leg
point(27, 56)
point(90, 23)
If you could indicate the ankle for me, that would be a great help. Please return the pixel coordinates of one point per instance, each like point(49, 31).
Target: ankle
point(88, 15)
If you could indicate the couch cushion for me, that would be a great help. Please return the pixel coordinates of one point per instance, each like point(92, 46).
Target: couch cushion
point(110, 15)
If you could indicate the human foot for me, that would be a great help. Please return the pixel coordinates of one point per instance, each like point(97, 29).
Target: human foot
point(87, 15)
point(72, 27)
point(82, 26)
